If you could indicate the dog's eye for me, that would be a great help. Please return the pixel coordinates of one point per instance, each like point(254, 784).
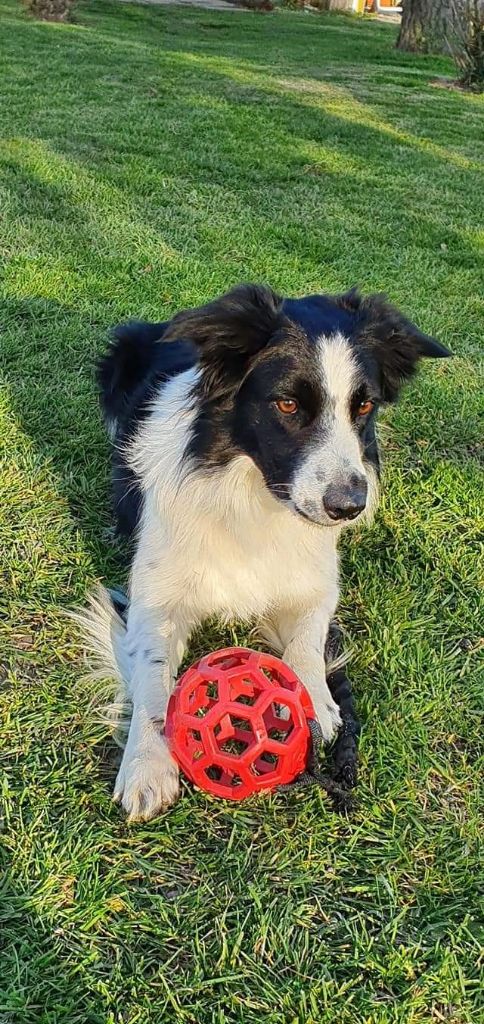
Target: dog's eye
point(288, 406)
point(364, 408)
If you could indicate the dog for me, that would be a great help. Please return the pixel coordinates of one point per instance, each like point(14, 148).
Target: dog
point(244, 442)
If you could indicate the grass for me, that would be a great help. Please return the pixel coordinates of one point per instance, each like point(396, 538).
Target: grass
point(151, 158)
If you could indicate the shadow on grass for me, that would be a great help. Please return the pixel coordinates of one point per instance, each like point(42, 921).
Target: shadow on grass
point(52, 396)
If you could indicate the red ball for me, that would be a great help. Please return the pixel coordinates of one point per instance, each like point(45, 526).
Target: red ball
point(237, 723)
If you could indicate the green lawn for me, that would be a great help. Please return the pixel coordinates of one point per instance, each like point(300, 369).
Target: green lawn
point(151, 159)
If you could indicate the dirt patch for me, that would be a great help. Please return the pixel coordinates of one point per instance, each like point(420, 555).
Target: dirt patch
point(448, 83)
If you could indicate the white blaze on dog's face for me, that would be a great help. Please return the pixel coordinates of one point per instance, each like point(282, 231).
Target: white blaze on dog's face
point(331, 483)
point(295, 384)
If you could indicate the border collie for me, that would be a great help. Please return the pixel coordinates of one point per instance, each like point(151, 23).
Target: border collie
point(244, 442)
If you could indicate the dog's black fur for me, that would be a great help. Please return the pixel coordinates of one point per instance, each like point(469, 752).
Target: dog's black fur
point(249, 342)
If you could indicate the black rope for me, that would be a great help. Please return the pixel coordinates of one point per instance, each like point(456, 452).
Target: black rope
point(343, 756)
point(314, 776)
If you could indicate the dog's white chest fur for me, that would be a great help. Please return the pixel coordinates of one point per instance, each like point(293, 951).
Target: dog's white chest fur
point(235, 554)
point(223, 545)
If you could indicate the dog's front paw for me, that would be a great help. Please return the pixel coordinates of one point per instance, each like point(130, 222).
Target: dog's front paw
point(148, 779)
point(329, 718)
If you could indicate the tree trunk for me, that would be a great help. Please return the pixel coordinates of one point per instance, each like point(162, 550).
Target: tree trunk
point(50, 10)
point(427, 25)
point(468, 46)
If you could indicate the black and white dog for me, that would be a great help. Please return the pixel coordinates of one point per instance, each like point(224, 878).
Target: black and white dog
point(244, 441)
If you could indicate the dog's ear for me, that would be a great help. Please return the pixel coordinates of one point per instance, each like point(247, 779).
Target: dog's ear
point(229, 331)
point(395, 342)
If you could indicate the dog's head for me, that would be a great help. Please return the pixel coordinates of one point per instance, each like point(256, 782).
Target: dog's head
point(295, 384)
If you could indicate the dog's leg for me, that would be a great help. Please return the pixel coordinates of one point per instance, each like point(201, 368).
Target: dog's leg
point(148, 776)
point(303, 638)
point(147, 779)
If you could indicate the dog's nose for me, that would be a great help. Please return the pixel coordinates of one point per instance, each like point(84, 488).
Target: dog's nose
point(345, 501)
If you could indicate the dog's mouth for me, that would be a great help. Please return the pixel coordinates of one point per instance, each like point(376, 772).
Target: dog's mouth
point(318, 518)
point(309, 519)
point(326, 522)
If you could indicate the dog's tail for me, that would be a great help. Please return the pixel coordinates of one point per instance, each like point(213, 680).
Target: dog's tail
point(103, 632)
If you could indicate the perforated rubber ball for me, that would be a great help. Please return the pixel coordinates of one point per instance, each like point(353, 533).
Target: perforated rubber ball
point(237, 723)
